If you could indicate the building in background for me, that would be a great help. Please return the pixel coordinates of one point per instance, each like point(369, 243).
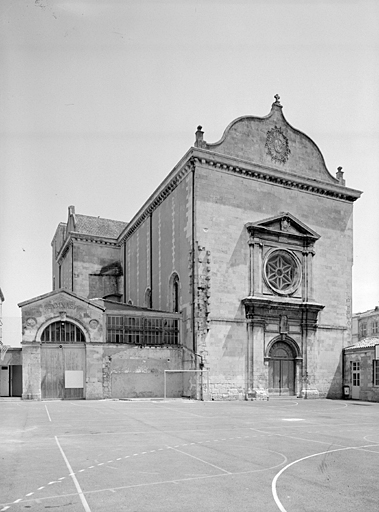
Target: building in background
point(361, 370)
point(361, 358)
point(10, 364)
point(365, 325)
point(247, 244)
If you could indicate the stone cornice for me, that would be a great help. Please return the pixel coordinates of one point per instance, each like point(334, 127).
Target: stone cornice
point(223, 163)
point(83, 237)
point(51, 295)
point(281, 303)
point(177, 175)
point(275, 176)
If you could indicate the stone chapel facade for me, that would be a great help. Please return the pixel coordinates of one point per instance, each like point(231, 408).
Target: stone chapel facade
point(250, 241)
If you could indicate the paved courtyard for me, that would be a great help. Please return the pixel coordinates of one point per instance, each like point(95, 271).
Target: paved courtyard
point(136, 456)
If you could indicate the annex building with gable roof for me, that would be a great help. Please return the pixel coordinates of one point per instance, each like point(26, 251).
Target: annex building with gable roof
point(247, 244)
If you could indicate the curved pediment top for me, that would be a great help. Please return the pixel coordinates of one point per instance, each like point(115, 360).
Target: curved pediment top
point(272, 142)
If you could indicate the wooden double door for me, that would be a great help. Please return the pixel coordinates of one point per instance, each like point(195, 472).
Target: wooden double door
point(281, 370)
point(62, 371)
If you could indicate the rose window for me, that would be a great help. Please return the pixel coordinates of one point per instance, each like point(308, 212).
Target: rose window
point(282, 272)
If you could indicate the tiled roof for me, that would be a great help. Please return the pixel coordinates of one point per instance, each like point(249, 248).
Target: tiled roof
point(367, 313)
point(365, 343)
point(98, 226)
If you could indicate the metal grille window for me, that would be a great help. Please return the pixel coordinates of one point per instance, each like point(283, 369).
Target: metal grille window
point(62, 332)
point(142, 330)
point(375, 369)
point(115, 329)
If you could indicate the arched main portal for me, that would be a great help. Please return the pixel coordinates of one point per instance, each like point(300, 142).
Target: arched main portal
point(62, 360)
point(281, 369)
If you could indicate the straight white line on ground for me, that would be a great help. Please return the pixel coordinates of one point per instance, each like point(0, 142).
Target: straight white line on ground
point(363, 449)
point(201, 460)
point(164, 482)
point(186, 413)
point(47, 411)
point(76, 483)
point(282, 426)
point(308, 440)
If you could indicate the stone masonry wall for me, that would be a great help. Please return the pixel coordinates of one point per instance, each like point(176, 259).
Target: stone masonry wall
point(225, 203)
point(365, 357)
point(90, 258)
point(137, 371)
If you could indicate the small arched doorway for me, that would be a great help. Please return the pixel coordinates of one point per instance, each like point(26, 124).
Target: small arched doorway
point(281, 369)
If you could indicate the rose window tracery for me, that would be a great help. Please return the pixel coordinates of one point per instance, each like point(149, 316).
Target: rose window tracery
point(282, 272)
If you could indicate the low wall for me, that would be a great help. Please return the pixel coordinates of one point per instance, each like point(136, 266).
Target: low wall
point(138, 371)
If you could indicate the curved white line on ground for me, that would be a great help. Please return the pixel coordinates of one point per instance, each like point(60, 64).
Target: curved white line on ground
point(273, 485)
point(294, 404)
point(370, 440)
point(342, 406)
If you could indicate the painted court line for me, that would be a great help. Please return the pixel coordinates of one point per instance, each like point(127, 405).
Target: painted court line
point(164, 482)
point(308, 440)
point(201, 460)
point(48, 415)
point(273, 485)
point(74, 479)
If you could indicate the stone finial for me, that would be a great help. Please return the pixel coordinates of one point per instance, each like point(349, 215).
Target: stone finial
point(277, 100)
point(339, 176)
point(199, 142)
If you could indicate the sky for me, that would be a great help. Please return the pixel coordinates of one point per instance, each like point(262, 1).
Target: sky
point(100, 99)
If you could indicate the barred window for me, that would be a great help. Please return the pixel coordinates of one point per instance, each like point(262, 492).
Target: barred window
point(115, 329)
point(62, 332)
point(142, 330)
point(375, 368)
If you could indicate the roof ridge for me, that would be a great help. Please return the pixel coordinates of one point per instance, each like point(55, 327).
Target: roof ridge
point(99, 217)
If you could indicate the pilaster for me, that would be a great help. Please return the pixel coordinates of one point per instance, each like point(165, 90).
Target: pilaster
point(31, 371)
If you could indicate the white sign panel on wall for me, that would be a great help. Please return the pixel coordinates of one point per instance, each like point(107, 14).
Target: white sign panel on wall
point(73, 379)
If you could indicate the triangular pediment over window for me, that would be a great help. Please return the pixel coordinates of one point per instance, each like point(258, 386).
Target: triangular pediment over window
point(283, 225)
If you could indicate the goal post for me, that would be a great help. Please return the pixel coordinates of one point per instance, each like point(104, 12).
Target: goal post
point(186, 383)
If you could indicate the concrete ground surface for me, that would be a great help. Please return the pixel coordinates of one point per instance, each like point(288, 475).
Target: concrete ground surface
point(135, 456)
